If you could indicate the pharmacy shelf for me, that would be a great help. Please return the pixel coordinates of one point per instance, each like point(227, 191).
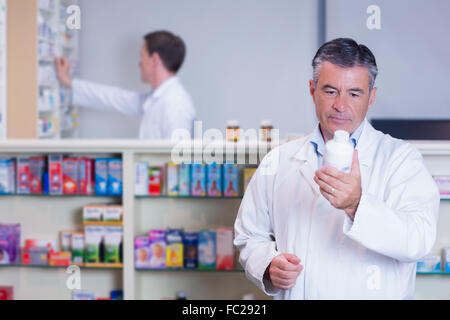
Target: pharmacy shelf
point(433, 273)
point(85, 267)
point(142, 215)
point(59, 196)
point(188, 270)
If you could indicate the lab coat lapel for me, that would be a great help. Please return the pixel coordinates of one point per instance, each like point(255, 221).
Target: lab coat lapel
point(308, 164)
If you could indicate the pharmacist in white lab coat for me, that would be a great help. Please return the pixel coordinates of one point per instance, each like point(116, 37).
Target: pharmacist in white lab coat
point(166, 108)
point(310, 232)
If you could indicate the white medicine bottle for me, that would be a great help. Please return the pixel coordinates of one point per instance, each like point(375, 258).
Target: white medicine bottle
point(339, 152)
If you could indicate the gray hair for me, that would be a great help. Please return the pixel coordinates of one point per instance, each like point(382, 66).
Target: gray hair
point(346, 53)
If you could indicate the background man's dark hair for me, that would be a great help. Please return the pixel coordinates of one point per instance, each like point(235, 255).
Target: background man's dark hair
point(170, 48)
point(346, 53)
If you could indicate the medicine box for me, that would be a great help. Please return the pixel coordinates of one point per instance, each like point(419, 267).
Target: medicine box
point(190, 248)
point(248, 174)
point(10, 243)
point(172, 179)
point(429, 264)
point(443, 183)
point(35, 256)
point(230, 180)
point(70, 176)
point(214, 180)
point(37, 167)
point(157, 249)
point(446, 253)
point(6, 293)
point(224, 249)
point(207, 249)
point(23, 175)
point(113, 242)
point(59, 259)
point(83, 295)
point(101, 177)
point(7, 176)
point(141, 179)
point(155, 175)
point(184, 178)
point(112, 213)
point(86, 176)
point(115, 181)
point(142, 252)
point(93, 213)
point(198, 180)
point(94, 235)
point(174, 248)
point(65, 241)
point(77, 246)
point(55, 174)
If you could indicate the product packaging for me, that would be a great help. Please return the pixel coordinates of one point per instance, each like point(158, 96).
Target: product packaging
point(77, 246)
point(113, 243)
point(207, 249)
point(83, 295)
point(142, 252)
point(224, 249)
point(155, 175)
point(59, 259)
point(6, 293)
point(443, 183)
point(23, 175)
point(9, 244)
point(65, 241)
point(70, 176)
point(157, 249)
point(115, 180)
point(198, 180)
point(86, 176)
point(141, 179)
point(94, 244)
point(101, 177)
point(172, 179)
point(190, 246)
point(7, 176)
point(112, 213)
point(446, 252)
point(429, 264)
point(93, 213)
point(55, 174)
point(230, 180)
point(248, 174)
point(184, 179)
point(174, 249)
point(214, 180)
point(37, 167)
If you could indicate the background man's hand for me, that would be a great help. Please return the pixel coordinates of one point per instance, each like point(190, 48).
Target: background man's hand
point(284, 270)
point(341, 189)
point(63, 71)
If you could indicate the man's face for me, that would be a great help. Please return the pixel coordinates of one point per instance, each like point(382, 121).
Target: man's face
point(147, 65)
point(342, 98)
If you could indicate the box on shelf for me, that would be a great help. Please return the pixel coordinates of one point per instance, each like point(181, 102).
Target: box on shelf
point(112, 213)
point(141, 179)
point(86, 175)
point(174, 248)
point(190, 246)
point(157, 249)
point(94, 236)
point(65, 241)
point(93, 213)
point(113, 244)
point(55, 174)
point(224, 249)
point(77, 247)
point(7, 176)
point(429, 264)
point(23, 175)
point(101, 177)
point(83, 295)
point(59, 259)
point(230, 180)
point(172, 179)
point(115, 180)
point(6, 293)
point(37, 168)
point(70, 176)
point(248, 174)
point(214, 179)
point(443, 183)
point(184, 179)
point(446, 254)
point(198, 180)
point(9, 243)
point(142, 252)
point(155, 183)
point(207, 249)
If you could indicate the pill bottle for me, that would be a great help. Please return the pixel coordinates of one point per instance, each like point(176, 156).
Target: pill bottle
point(339, 152)
point(233, 130)
point(266, 130)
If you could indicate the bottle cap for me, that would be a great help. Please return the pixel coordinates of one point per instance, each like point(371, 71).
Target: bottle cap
point(266, 123)
point(341, 136)
point(232, 123)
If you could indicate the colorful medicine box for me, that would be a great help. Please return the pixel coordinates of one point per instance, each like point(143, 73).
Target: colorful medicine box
point(429, 264)
point(172, 179)
point(248, 175)
point(142, 252)
point(446, 254)
point(59, 259)
point(65, 241)
point(23, 175)
point(198, 180)
point(112, 213)
point(101, 177)
point(190, 248)
point(207, 249)
point(94, 235)
point(141, 179)
point(443, 183)
point(157, 249)
point(115, 180)
point(184, 179)
point(83, 295)
point(7, 176)
point(174, 248)
point(77, 246)
point(214, 180)
point(55, 174)
point(70, 176)
point(113, 242)
point(86, 176)
point(230, 180)
point(37, 167)
point(93, 213)
point(155, 175)
point(224, 249)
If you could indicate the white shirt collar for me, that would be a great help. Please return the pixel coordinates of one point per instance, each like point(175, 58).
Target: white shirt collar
point(163, 86)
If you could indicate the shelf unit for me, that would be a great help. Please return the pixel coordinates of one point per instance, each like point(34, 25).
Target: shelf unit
point(3, 39)
point(46, 111)
point(44, 216)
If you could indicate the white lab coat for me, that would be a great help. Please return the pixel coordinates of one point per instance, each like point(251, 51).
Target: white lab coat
point(163, 111)
point(373, 257)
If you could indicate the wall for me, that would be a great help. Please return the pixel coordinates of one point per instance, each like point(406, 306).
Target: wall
point(247, 60)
